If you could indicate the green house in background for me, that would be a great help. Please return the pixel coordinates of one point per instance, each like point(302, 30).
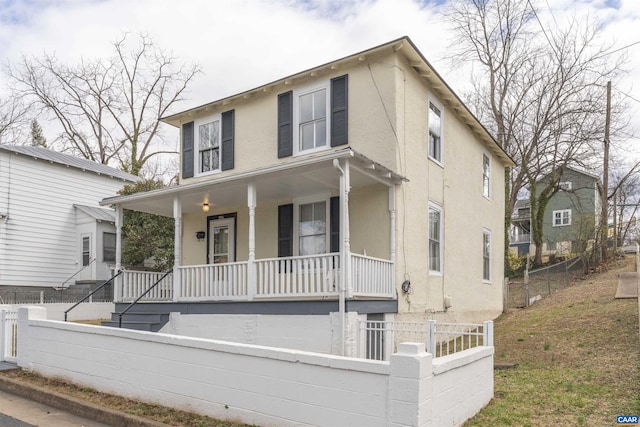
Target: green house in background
point(570, 220)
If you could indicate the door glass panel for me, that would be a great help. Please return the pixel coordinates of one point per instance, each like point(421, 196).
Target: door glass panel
point(220, 244)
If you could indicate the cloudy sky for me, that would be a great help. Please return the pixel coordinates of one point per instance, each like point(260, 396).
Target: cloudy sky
point(241, 44)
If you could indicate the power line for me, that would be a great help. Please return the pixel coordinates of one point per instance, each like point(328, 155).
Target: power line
point(616, 50)
point(542, 28)
point(628, 96)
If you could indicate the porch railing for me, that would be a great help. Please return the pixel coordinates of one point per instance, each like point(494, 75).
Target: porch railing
point(298, 277)
point(377, 340)
point(372, 276)
point(520, 238)
point(135, 283)
point(214, 281)
point(302, 276)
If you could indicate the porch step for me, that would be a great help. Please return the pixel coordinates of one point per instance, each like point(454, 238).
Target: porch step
point(140, 321)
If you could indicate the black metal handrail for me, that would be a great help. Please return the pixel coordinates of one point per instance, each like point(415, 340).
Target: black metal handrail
point(91, 293)
point(140, 297)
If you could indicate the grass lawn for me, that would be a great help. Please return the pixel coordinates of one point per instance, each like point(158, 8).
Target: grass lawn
point(577, 354)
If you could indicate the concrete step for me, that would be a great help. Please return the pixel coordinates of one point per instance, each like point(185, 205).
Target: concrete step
point(142, 317)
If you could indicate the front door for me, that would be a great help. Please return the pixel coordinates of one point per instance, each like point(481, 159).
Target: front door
point(221, 241)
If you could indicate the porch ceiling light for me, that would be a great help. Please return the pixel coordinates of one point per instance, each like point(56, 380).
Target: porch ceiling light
point(205, 207)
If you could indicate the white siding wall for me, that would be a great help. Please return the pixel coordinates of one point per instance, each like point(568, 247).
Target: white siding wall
point(38, 245)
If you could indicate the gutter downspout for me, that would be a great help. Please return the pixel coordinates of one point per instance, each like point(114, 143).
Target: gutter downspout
point(344, 246)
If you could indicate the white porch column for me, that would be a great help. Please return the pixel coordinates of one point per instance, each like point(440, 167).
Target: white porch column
point(344, 229)
point(177, 246)
point(252, 284)
point(392, 223)
point(118, 282)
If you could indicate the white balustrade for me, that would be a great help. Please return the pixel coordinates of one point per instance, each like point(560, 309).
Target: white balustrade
point(372, 276)
point(217, 282)
point(302, 276)
point(135, 283)
point(313, 276)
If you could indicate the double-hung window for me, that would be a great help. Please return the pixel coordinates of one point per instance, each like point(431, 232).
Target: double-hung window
point(486, 255)
point(312, 228)
point(209, 146)
point(435, 132)
point(486, 176)
point(313, 120)
point(435, 238)
point(562, 217)
point(86, 250)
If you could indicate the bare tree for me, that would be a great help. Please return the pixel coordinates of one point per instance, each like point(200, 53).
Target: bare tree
point(539, 91)
point(108, 109)
point(626, 201)
point(13, 118)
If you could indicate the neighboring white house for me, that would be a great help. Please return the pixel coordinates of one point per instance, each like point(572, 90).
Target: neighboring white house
point(361, 187)
point(51, 226)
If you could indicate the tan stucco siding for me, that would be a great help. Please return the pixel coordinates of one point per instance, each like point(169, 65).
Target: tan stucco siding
point(369, 214)
point(455, 185)
point(371, 114)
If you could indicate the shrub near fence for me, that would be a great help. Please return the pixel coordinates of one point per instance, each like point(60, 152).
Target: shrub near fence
point(543, 282)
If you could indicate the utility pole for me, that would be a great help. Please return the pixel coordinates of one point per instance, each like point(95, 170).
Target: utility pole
point(604, 221)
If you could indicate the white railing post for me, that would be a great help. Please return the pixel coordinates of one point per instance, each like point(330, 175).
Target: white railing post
point(431, 345)
point(251, 267)
point(118, 283)
point(177, 247)
point(3, 333)
point(487, 333)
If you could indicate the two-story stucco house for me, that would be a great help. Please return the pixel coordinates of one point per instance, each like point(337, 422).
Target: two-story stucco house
point(571, 217)
point(361, 187)
point(53, 233)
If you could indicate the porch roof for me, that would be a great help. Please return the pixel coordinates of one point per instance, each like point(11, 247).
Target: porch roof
point(297, 178)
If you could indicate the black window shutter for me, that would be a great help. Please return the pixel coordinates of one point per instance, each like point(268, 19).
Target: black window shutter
point(339, 104)
point(228, 134)
point(285, 230)
point(285, 124)
point(334, 224)
point(187, 150)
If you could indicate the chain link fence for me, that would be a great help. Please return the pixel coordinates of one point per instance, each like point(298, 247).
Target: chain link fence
point(52, 295)
point(539, 283)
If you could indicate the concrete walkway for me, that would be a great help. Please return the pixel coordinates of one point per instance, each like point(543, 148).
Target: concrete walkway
point(41, 407)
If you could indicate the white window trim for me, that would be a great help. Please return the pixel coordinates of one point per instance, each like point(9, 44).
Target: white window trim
point(325, 197)
point(196, 144)
point(432, 100)
point(88, 236)
point(439, 208)
point(486, 196)
point(297, 93)
point(486, 232)
point(561, 212)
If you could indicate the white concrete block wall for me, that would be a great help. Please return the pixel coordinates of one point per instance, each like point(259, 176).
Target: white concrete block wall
point(254, 384)
point(462, 385)
point(84, 311)
point(316, 333)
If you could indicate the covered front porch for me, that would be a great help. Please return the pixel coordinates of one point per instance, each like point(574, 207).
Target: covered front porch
point(315, 228)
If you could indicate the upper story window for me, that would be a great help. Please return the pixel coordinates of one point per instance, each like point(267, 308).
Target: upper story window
point(313, 118)
point(435, 132)
point(562, 217)
point(312, 113)
point(209, 146)
point(486, 176)
point(565, 185)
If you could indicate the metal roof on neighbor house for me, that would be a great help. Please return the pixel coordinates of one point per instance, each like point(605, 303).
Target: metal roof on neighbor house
point(100, 214)
point(40, 153)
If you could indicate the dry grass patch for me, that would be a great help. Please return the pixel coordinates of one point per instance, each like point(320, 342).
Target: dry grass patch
point(577, 356)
